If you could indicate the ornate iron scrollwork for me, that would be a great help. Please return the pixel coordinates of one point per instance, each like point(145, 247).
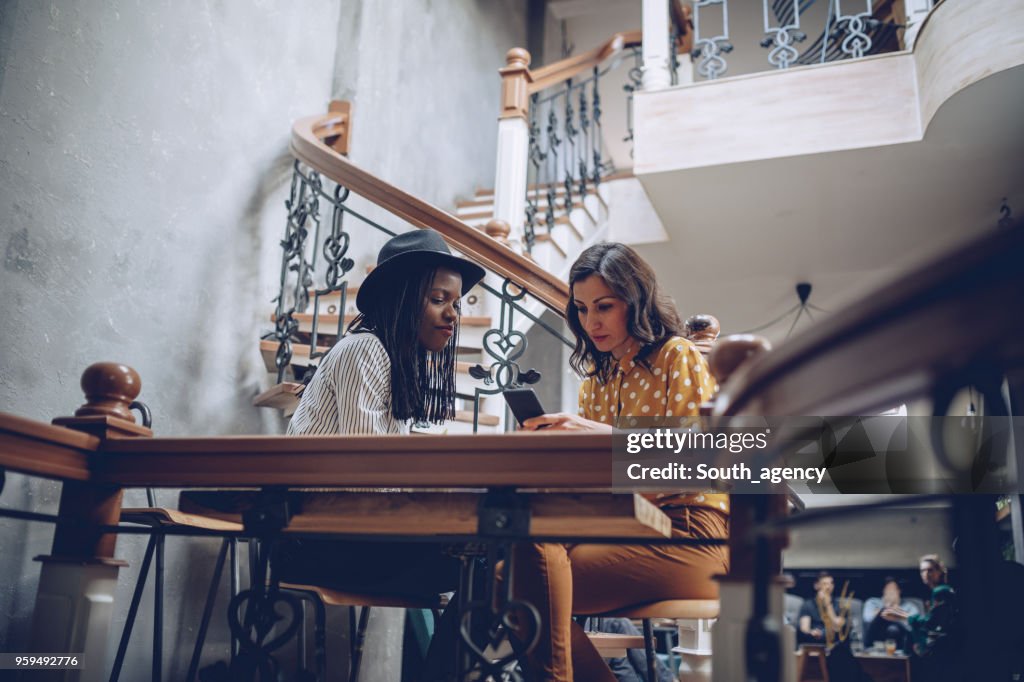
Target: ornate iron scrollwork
point(334, 249)
point(710, 50)
point(636, 73)
point(856, 42)
point(781, 38)
point(537, 158)
point(303, 206)
point(504, 345)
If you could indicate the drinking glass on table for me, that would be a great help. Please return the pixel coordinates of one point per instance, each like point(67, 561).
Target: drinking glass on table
point(890, 647)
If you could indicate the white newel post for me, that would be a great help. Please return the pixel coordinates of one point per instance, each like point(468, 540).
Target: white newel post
point(513, 143)
point(655, 51)
point(78, 580)
point(917, 12)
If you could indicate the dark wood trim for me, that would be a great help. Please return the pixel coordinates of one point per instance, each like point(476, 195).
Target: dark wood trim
point(31, 447)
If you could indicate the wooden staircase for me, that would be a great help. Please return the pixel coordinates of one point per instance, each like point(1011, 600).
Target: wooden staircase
point(553, 250)
point(573, 230)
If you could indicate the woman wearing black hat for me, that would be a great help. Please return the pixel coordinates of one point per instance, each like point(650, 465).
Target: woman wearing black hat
point(394, 366)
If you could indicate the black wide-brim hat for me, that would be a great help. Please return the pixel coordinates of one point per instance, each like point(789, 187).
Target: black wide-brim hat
point(408, 250)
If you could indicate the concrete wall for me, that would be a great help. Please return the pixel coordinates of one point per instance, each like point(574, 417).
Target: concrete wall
point(143, 173)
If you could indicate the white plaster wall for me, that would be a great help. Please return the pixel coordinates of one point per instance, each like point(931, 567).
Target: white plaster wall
point(143, 172)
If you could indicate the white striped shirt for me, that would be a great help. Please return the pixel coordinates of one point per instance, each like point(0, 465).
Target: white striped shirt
point(350, 392)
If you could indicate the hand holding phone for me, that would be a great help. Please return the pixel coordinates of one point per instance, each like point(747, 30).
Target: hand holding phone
point(524, 404)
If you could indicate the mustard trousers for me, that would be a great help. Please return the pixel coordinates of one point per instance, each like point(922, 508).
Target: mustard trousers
point(560, 580)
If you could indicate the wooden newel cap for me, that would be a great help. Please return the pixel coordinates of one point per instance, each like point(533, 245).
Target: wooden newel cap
point(110, 388)
point(702, 327)
point(702, 330)
point(498, 229)
point(517, 58)
point(732, 351)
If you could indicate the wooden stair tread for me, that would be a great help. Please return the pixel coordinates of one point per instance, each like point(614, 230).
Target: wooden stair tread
point(466, 417)
point(300, 351)
point(546, 239)
point(281, 396)
point(535, 188)
point(349, 291)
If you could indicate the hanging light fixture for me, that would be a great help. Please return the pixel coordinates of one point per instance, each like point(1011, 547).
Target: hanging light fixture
point(803, 306)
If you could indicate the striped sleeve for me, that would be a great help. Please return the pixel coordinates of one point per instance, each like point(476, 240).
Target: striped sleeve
point(363, 379)
point(350, 392)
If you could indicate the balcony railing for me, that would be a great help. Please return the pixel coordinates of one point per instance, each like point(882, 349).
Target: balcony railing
point(844, 30)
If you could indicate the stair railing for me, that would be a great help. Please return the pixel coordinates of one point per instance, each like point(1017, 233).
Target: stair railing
point(551, 149)
point(550, 138)
point(316, 265)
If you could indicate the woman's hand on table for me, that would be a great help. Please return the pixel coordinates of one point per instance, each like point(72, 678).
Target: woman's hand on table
point(563, 421)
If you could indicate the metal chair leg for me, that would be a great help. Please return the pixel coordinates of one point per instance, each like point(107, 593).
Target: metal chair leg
point(320, 638)
point(158, 610)
point(211, 597)
point(133, 610)
point(360, 639)
point(235, 580)
point(652, 669)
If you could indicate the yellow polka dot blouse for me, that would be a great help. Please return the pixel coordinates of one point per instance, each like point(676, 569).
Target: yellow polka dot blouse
point(677, 382)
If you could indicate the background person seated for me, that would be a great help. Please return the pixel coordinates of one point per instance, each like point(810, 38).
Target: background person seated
point(820, 614)
point(880, 629)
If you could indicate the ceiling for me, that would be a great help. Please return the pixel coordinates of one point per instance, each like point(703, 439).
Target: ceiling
point(742, 235)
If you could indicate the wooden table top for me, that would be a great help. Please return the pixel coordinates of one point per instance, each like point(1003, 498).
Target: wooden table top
point(457, 461)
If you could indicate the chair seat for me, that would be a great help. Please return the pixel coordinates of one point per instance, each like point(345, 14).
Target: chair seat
point(611, 645)
point(159, 516)
point(669, 608)
point(340, 598)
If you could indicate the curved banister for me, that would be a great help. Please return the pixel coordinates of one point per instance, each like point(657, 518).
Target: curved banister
point(308, 145)
point(570, 67)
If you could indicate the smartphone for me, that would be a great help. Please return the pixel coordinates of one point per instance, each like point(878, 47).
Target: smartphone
point(524, 404)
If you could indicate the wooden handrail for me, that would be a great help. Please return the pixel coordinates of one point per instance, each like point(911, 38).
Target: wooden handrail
point(308, 145)
point(570, 67)
point(946, 320)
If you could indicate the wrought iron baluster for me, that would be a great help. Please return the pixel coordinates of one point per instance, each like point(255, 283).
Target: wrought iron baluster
point(553, 143)
point(584, 141)
point(596, 140)
point(635, 79)
point(710, 50)
point(303, 205)
point(673, 58)
point(570, 152)
point(335, 247)
point(536, 156)
point(853, 28)
point(504, 345)
point(781, 38)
